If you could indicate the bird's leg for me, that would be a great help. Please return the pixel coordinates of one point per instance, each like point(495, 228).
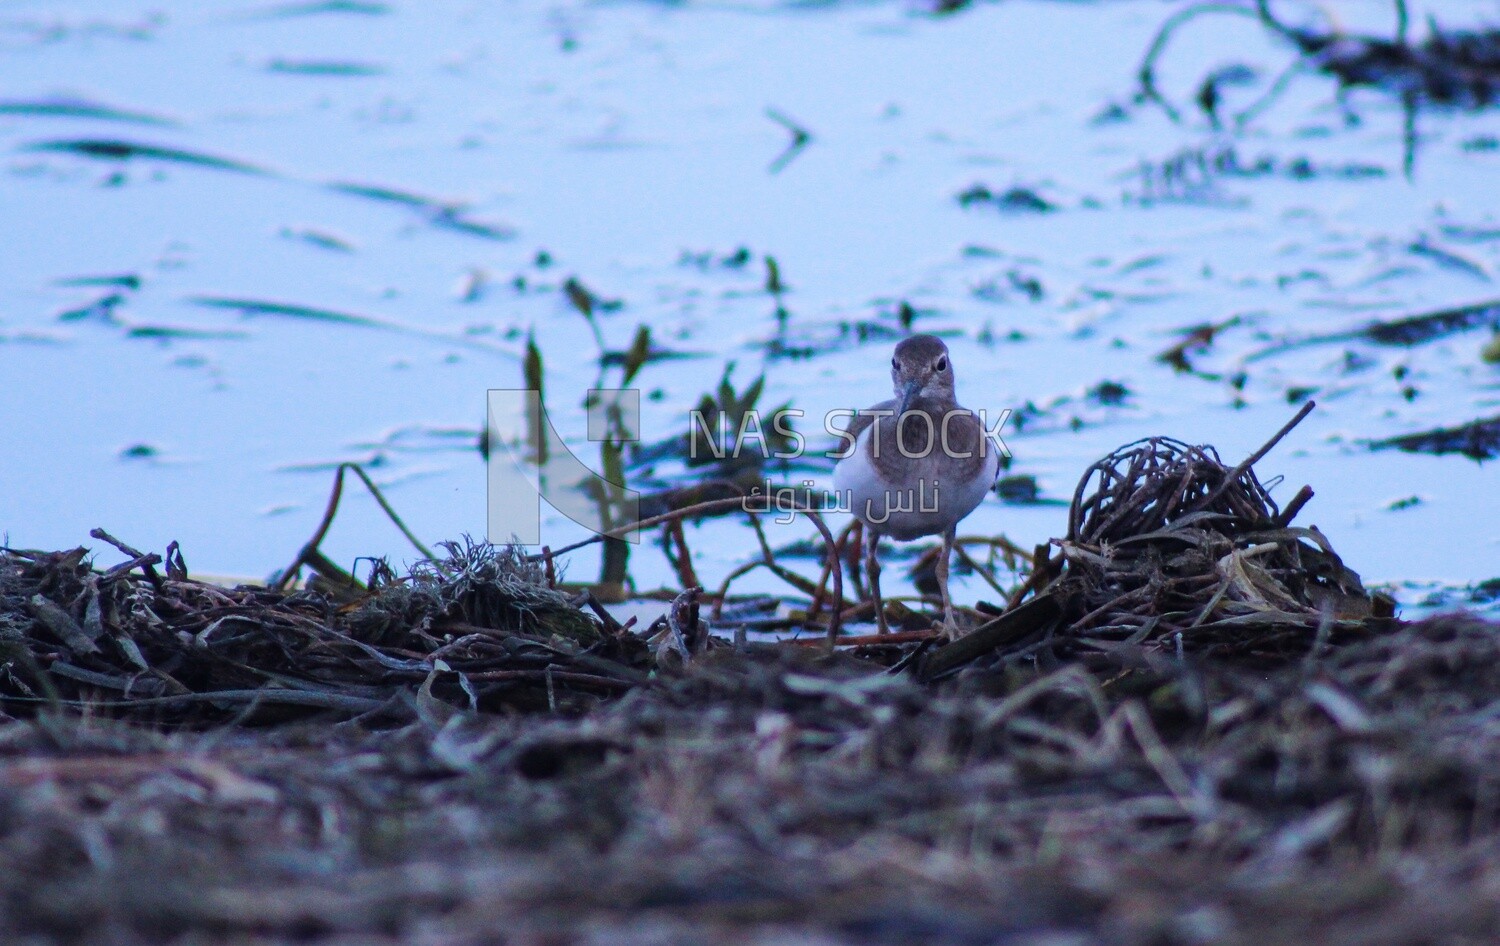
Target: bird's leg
point(872, 570)
point(854, 541)
point(950, 626)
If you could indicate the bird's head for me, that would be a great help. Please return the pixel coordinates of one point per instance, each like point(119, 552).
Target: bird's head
point(921, 367)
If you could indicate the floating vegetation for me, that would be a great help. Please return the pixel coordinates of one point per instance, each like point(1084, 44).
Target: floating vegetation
point(1022, 490)
point(453, 218)
point(250, 308)
point(184, 333)
point(801, 138)
point(806, 338)
point(613, 424)
point(653, 353)
point(809, 340)
point(444, 215)
point(424, 438)
point(1196, 340)
point(1477, 440)
point(1002, 288)
point(1193, 174)
point(78, 108)
point(129, 281)
point(1448, 259)
point(588, 302)
point(109, 149)
point(708, 259)
point(324, 67)
point(1019, 200)
point(253, 307)
point(1450, 69)
point(101, 309)
point(447, 215)
point(324, 7)
point(319, 238)
point(1420, 329)
point(1407, 331)
point(1109, 393)
point(54, 29)
point(391, 195)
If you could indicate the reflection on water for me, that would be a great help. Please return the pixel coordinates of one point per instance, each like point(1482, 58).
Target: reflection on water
point(246, 243)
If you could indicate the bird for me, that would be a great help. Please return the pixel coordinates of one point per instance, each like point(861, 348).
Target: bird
point(915, 465)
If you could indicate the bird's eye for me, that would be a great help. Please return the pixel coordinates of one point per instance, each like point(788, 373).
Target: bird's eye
point(942, 364)
point(894, 363)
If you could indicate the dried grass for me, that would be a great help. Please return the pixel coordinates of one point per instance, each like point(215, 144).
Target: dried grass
point(1187, 734)
point(781, 795)
point(478, 628)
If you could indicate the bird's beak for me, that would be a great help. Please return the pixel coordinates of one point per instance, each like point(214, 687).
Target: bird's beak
point(909, 393)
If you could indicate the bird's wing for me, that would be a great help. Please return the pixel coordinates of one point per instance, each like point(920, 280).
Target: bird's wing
point(862, 420)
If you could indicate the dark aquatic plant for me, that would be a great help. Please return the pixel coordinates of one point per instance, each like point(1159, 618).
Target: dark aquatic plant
point(1477, 440)
point(1450, 69)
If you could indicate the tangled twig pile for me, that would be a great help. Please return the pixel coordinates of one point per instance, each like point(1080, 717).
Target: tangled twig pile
point(1169, 547)
point(1173, 545)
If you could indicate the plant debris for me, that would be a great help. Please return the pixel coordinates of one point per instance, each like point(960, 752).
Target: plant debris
point(1197, 727)
point(110, 149)
point(477, 628)
point(79, 108)
point(776, 793)
point(1477, 440)
point(1449, 69)
point(1171, 550)
point(1193, 174)
point(1406, 331)
point(1016, 200)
